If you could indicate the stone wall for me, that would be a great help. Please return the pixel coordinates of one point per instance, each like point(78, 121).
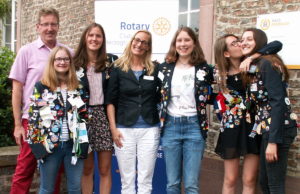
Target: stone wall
point(233, 16)
point(74, 17)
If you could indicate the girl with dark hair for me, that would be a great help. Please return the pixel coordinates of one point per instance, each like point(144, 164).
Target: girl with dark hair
point(93, 65)
point(57, 122)
point(267, 90)
point(235, 138)
point(186, 81)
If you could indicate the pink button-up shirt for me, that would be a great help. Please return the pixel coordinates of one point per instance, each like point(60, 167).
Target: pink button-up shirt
point(28, 69)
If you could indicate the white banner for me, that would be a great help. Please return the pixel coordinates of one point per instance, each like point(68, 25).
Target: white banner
point(284, 27)
point(121, 19)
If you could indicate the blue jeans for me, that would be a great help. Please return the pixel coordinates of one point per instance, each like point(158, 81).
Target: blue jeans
point(49, 169)
point(183, 147)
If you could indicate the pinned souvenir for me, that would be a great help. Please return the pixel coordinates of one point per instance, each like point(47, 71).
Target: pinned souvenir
point(201, 74)
point(263, 124)
point(161, 76)
point(286, 122)
point(228, 97)
point(287, 101)
point(253, 87)
point(60, 113)
point(45, 113)
point(45, 95)
point(51, 97)
point(77, 101)
point(82, 133)
point(242, 105)
point(41, 102)
point(258, 129)
point(57, 107)
point(46, 123)
point(54, 129)
point(269, 121)
point(166, 85)
point(54, 138)
point(80, 73)
point(293, 116)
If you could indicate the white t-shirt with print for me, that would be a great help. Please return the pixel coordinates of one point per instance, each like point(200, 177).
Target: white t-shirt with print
point(182, 102)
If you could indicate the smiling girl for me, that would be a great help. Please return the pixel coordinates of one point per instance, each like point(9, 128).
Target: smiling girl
point(57, 113)
point(186, 82)
point(93, 65)
point(267, 87)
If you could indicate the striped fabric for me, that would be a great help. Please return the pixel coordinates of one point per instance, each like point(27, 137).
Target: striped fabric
point(64, 135)
point(95, 84)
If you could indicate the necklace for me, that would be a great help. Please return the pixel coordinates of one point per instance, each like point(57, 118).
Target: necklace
point(236, 78)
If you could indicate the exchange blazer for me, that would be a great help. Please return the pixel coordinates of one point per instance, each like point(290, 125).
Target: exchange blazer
point(203, 91)
point(133, 97)
point(268, 93)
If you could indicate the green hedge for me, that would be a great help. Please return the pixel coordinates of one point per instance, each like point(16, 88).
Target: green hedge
point(4, 8)
point(6, 117)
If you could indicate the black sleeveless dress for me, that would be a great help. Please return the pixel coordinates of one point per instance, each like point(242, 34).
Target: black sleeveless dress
point(235, 138)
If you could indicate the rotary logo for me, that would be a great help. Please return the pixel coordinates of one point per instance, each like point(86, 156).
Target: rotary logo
point(161, 26)
point(265, 24)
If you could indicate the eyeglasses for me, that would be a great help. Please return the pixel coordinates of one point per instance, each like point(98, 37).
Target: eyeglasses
point(143, 42)
point(54, 25)
point(59, 60)
point(235, 43)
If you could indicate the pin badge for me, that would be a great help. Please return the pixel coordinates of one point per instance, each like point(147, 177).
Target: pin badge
point(293, 116)
point(287, 101)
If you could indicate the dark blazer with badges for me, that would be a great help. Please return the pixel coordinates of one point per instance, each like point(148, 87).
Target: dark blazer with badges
point(43, 98)
point(203, 91)
point(81, 73)
point(273, 113)
point(133, 97)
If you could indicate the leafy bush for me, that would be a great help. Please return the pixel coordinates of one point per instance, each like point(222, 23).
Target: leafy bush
point(4, 8)
point(6, 116)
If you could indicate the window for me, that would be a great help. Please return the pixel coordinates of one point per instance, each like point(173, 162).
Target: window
point(9, 28)
point(7, 32)
point(189, 13)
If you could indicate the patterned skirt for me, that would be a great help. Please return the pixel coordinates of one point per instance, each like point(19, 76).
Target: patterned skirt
point(99, 134)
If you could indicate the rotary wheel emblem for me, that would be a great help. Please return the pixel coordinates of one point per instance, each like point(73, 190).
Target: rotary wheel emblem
point(161, 26)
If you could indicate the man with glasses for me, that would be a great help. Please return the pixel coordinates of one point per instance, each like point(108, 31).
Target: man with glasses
point(27, 69)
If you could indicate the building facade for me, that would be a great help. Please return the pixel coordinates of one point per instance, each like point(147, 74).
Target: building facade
point(215, 17)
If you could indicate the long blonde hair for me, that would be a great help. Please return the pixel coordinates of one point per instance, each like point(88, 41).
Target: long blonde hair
point(50, 77)
point(124, 61)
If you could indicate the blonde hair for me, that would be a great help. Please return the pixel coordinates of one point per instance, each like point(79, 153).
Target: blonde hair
point(124, 61)
point(50, 77)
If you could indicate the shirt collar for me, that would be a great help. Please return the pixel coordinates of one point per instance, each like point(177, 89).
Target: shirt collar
point(41, 44)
